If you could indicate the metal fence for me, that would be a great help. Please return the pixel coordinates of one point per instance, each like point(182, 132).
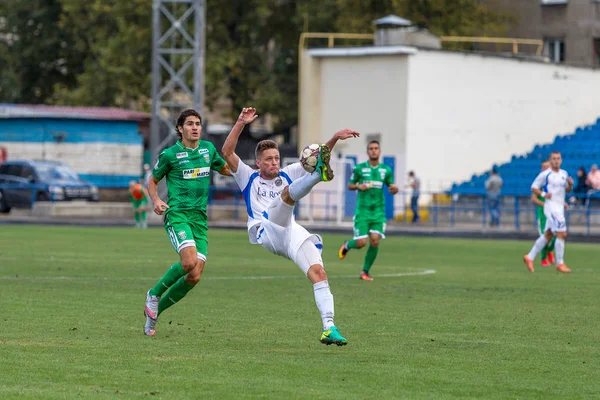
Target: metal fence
point(436, 209)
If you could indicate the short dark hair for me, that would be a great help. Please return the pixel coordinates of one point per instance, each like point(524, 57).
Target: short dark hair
point(371, 142)
point(554, 152)
point(411, 173)
point(264, 145)
point(183, 116)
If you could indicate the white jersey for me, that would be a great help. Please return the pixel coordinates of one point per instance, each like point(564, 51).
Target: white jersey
point(259, 193)
point(554, 183)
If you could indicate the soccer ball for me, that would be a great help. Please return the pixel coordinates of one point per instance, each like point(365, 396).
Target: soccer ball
point(309, 157)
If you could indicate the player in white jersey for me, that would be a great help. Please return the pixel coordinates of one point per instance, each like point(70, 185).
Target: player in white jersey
point(553, 184)
point(270, 194)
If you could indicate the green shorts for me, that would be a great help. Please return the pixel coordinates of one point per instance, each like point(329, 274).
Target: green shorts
point(186, 229)
point(362, 228)
point(140, 203)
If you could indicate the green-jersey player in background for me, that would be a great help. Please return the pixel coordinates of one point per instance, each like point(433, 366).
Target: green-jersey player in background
point(369, 219)
point(186, 167)
point(546, 253)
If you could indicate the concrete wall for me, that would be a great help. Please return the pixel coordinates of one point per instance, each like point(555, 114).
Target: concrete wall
point(367, 94)
point(444, 114)
point(468, 111)
point(108, 153)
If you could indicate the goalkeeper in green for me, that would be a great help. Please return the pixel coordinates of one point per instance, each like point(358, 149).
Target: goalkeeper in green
point(369, 219)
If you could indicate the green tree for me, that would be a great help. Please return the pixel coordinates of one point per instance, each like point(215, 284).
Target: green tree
point(115, 38)
point(98, 52)
point(441, 17)
point(34, 52)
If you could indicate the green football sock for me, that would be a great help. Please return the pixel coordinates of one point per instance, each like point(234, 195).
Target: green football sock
point(176, 293)
point(144, 216)
point(550, 246)
point(137, 217)
point(168, 279)
point(351, 244)
point(544, 252)
point(370, 258)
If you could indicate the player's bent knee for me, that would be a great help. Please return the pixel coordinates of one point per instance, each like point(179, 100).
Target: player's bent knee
point(193, 278)
point(360, 243)
point(188, 264)
point(374, 243)
point(316, 273)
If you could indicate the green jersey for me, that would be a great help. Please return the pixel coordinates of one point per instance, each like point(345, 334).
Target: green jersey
point(371, 203)
point(187, 173)
point(540, 209)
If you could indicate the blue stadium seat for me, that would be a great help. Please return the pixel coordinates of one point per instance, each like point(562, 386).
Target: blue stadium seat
point(581, 148)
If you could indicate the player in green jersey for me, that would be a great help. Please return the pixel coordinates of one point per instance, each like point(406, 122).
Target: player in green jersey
point(186, 167)
point(546, 253)
point(369, 219)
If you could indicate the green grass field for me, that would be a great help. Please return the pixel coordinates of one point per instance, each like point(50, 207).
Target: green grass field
point(481, 326)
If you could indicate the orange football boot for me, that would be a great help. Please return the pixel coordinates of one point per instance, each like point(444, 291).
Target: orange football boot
point(528, 263)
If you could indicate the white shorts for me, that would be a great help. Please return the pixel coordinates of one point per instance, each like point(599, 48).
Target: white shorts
point(287, 241)
point(555, 221)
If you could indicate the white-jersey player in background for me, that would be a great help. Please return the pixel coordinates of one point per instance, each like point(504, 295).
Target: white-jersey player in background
point(553, 184)
point(270, 194)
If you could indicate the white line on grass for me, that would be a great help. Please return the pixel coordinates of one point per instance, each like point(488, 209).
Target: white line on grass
point(211, 278)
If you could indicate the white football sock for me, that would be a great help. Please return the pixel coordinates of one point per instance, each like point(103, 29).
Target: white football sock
point(559, 245)
point(302, 186)
point(539, 244)
point(324, 300)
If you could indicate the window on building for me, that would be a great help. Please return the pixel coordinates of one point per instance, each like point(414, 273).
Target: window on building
point(554, 49)
point(597, 50)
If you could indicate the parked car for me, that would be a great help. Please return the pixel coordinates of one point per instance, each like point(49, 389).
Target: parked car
point(22, 182)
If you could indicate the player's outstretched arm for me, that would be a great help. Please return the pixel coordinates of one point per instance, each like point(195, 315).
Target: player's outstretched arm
point(225, 171)
point(341, 135)
point(159, 205)
point(246, 116)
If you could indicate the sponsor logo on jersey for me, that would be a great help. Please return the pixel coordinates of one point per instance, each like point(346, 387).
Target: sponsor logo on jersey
point(184, 162)
point(202, 151)
point(366, 170)
point(377, 184)
point(196, 173)
point(181, 155)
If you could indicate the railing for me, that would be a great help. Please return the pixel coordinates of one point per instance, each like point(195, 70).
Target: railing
point(331, 37)
point(495, 40)
point(437, 210)
point(515, 209)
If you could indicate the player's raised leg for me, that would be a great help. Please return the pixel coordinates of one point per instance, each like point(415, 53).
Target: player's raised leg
point(323, 166)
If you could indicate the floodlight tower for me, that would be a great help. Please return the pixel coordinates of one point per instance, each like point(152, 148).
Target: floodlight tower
point(178, 46)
